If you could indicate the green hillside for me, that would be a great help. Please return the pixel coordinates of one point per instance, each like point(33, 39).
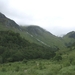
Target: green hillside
point(45, 37)
point(37, 35)
point(34, 34)
point(69, 38)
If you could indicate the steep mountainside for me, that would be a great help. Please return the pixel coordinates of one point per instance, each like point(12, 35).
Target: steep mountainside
point(33, 34)
point(7, 22)
point(44, 36)
point(69, 38)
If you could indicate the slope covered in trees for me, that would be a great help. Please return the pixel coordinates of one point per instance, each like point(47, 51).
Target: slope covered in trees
point(15, 48)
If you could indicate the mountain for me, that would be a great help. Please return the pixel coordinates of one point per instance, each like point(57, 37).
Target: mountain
point(8, 22)
point(33, 34)
point(32, 42)
point(70, 34)
point(44, 36)
point(69, 38)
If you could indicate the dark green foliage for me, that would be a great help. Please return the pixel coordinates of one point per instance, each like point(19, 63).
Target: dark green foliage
point(67, 63)
point(3, 69)
point(1, 61)
point(73, 62)
point(17, 68)
point(15, 48)
point(25, 61)
point(58, 57)
point(71, 46)
point(41, 66)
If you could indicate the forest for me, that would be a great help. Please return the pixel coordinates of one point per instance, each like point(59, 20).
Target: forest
point(15, 48)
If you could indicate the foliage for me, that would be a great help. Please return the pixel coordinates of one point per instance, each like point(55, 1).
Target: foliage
point(3, 69)
point(15, 48)
point(58, 57)
point(18, 68)
point(25, 61)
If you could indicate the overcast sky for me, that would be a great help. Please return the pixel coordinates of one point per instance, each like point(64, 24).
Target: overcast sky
point(56, 16)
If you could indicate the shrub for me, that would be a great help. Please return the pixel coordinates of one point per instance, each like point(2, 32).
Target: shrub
point(58, 57)
point(41, 66)
point(73, 63)
point(3, 70)
point(50, 73)
point(1, 60)
point(25, 61)
point(67, 63)
point(17, 68)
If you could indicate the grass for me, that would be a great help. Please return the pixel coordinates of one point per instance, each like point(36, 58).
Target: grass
point(37, 67)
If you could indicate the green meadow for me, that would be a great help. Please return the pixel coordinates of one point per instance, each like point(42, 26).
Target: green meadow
point(38, 67)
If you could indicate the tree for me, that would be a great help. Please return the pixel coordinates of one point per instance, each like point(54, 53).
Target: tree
point(58, 57)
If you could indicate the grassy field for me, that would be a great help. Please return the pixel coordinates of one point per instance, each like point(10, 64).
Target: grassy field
point(37, 67)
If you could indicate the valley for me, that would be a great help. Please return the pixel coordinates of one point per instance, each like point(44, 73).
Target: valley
point(32, 50)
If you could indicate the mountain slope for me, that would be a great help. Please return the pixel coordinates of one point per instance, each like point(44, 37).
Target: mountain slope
point(34, 34)
point(45, 37)
point(8, 22)
point(69, 38)
point(15, 48)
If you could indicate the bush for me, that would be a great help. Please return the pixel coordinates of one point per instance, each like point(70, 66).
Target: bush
point(41, 66)
point(73, 63)
point(50, 73)
point(1, 60)
point(25, 61)
point(67, 63)
point(3, 70)
point(58, 57)
point(17, 68)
